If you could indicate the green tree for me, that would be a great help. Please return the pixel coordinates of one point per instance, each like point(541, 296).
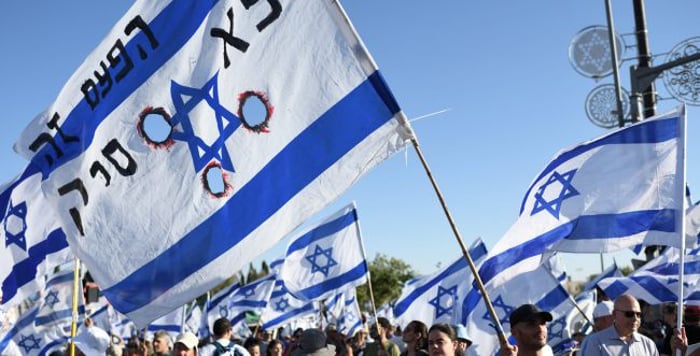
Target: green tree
point(388, 275)
point(264, 269)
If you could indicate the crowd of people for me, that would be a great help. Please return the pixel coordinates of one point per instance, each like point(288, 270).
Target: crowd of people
point(618, 329)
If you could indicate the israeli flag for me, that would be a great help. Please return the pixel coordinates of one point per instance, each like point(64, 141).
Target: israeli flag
point(284, 308)
point(568, 319)
point(236, 301)
point(326, 257)
point(56, 304)
point(616, 191)
point(31, 240)
point(172, 323)
point(343, 311)
point(436, 298)
point(611, 271)
point(657, 281)
point(32, 340)
point(196, 322)
point(541, 287)
point(224, 182)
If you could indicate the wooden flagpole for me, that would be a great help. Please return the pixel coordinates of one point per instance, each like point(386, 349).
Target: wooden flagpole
point(414, 140)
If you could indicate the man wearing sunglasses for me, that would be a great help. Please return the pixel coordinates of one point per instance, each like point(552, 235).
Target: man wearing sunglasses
point(622, 338)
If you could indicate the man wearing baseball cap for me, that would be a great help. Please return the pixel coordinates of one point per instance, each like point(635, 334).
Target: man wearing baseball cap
point(186, 344)
point(528, 326)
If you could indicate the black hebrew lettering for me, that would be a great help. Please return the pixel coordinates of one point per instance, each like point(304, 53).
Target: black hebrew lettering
point(115, 60)
point(110, 149)
point(40, 141)
point(91, 93)
point(275, 11)
point(229, 38)
point(97, 167)
point(138, 22)
point(53, 124)
point(75, 184)
point(104, 79)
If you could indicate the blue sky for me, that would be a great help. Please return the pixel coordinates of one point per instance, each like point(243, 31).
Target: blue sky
point(500, 67)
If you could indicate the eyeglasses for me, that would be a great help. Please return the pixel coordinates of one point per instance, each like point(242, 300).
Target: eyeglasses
point(630, 314)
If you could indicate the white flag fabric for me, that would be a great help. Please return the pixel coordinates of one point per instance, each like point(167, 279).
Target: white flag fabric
point(284, 308)
point(541, 287)
point(56, 304)
point(30, 339)
point(226, 182)
point(616, 191)
point(611, 271)
point(32, 241)
point(344, 312)
point(172, 323)
point(436, 298)
point(326, 258)
point(196, 322)
point(236, 301)
point(657, 281)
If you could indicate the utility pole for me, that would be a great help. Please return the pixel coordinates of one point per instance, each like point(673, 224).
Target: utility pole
point(648, 93)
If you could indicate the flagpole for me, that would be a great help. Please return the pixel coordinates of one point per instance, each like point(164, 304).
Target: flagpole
point(74, 304)
point(364, 257)
point(570, 298)
point(681, 267)
point(414, 140)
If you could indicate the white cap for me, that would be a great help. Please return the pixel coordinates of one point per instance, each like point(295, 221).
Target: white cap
point(603, 308)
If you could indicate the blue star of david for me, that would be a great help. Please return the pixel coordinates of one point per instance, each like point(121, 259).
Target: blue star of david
point(12, 236)
point(223, 311)
point(249, 292)
point(51, 299)
point(440, 308)
point(28, 343)
point(185, 100)
point(317, 267)
point(282, 304)
point(567, 191)
point(498, 303)
point(555, 329)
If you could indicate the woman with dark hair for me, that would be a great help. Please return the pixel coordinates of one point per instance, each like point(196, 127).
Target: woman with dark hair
point(442, 340)
point(415, 335)
point(274, 348)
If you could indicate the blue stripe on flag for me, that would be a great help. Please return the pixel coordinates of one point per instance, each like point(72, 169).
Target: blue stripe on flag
point(334, 283)
point(672, 269)
point(288, 315)
point(590, 227)
point(25, 271)
point(62, 278)
point(655, 288)
point(250, 303)
point(216, 301)
point(616, 288)
point(26, 320)
point(323, 231)
point(166, 327)
point(172, 27)
point(653, 131)
point(296, 166)
point(475, 252)
point(553, 299)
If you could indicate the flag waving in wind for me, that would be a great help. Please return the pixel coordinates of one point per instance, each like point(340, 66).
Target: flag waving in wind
point(326, 258)
point(615, 191)
point(187, 209)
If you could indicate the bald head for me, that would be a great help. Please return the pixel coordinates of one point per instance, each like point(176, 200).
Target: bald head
point(627, 315)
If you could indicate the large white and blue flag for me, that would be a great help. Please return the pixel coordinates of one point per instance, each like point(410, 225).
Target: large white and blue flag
point(225, 181)
point(435, 298)
point(541, 287)
point(284, 308)
point(172, 323)
point(326, 257)
point(616, 191)
point(658, 280)
point(31, 240)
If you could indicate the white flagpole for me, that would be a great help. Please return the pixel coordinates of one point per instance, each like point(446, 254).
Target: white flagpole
point(681, 267)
